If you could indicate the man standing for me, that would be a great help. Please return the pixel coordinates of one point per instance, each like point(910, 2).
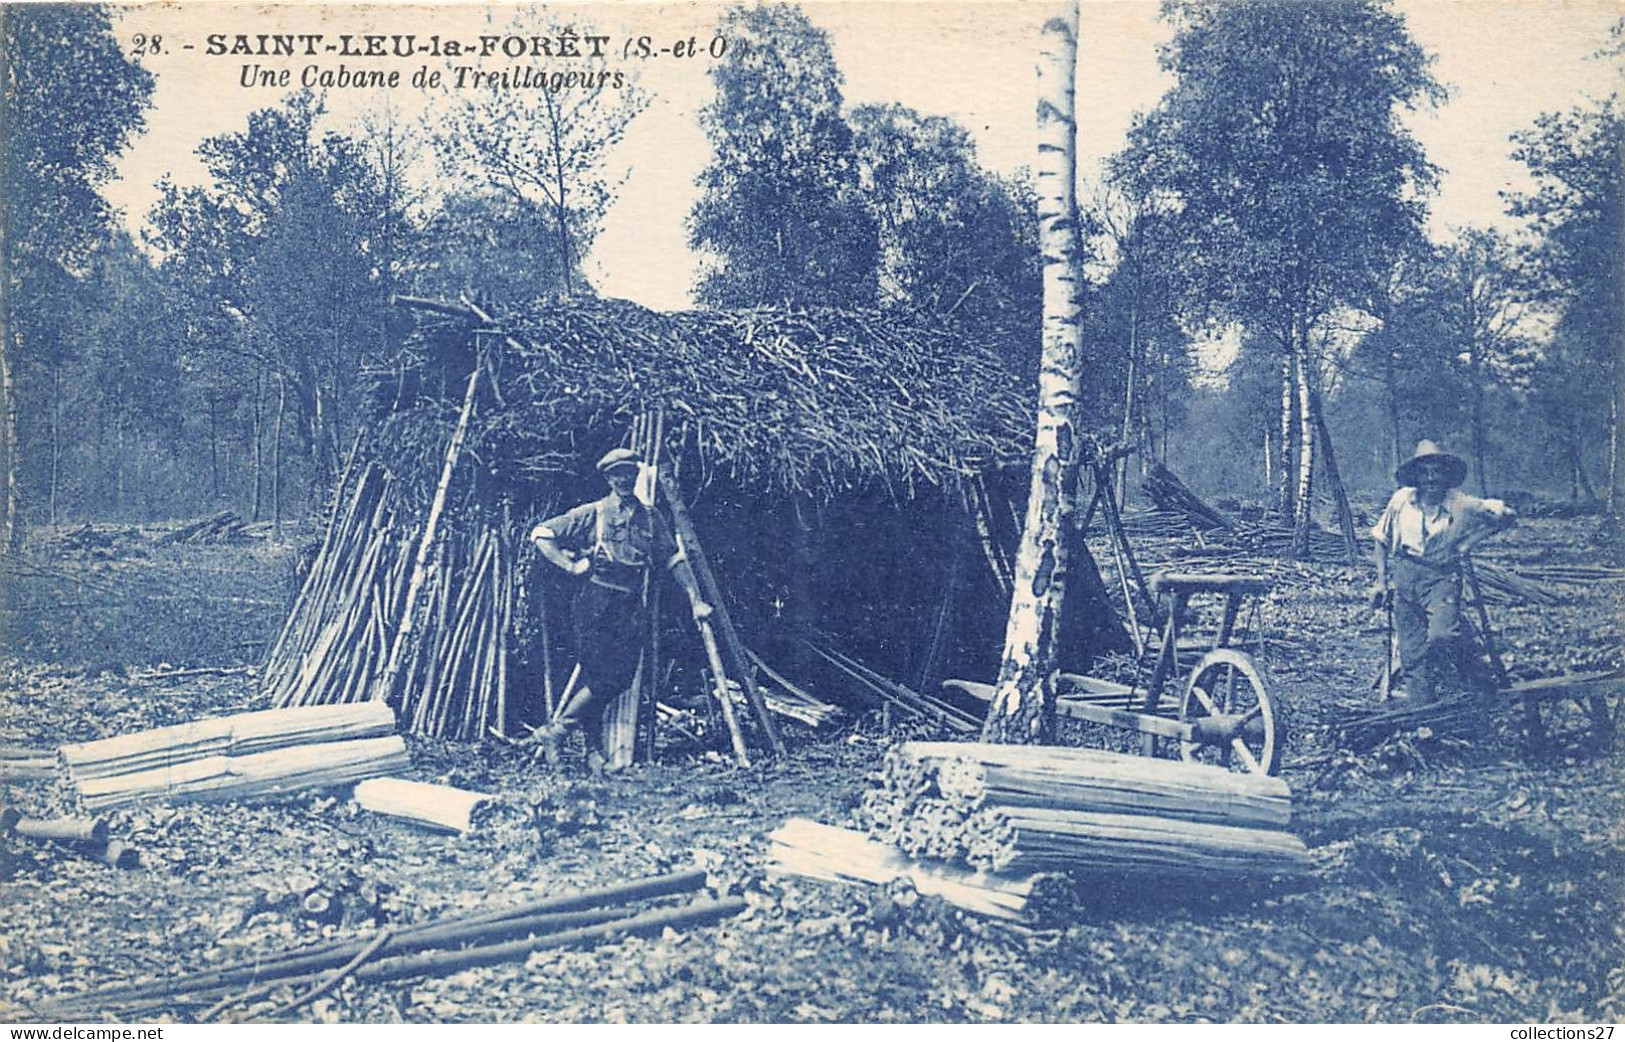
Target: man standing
point(611, 542)
point(1428, 525)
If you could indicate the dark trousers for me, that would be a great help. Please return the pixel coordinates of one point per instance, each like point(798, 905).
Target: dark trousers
point(607, 644)
point(1427, 620)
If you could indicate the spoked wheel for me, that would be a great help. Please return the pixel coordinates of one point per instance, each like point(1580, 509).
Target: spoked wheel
point(1226, 700)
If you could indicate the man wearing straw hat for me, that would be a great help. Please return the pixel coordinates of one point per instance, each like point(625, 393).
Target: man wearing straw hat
point(611, 542)
point(1428, 525)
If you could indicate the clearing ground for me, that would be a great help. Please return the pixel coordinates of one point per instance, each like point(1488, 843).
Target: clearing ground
point(1458, 879)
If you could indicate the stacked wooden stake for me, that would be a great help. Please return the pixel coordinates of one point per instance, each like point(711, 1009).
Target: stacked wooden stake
point(21, 763)
point(1017, 808)
point(452, 678)
point(439, 807)
point(248, 755)
point(337, 634)
point(241, 734)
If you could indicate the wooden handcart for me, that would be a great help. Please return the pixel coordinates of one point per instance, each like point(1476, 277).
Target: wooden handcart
point(1552, 707)
point(1222, 713)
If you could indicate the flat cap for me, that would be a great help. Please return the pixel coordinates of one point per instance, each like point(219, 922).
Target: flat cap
point(619, 458)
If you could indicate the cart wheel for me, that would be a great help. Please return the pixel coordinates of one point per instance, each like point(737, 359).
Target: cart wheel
point(1225, 682)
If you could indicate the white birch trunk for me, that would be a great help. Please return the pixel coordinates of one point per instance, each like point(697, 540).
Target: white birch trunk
point(1302, 514)
point(1283, 489)
point(1023, 706)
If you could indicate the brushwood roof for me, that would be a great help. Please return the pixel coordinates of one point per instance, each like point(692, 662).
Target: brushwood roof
point(814, 401)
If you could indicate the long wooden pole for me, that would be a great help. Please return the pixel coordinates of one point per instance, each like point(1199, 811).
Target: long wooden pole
point(420, 564)
point(690, 541)
point(711, 656)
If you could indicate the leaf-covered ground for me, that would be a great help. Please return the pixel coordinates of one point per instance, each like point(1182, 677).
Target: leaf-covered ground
point(1477, 878)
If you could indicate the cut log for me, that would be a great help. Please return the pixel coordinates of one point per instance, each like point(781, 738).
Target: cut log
point(807, 848)
point(238, 735)
point(83, 831)
point(438, 807)
point(277, 773)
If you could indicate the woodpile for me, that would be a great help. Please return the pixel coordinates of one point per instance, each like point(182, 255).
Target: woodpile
point(265, 753)
point(450, 672)
point(224, 527)
point(21, 763)
point(85, 837)
point(806, 848)
point(449, 944)
point(1512, 587)
point(1007, 808)
point(439, 807)
point(241, 734)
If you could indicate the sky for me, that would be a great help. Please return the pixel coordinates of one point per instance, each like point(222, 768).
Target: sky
point(1504, 61)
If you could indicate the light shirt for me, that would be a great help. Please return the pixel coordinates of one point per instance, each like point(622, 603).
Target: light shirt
point(1434, 534)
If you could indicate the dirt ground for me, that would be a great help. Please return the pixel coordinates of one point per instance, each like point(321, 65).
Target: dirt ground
point(1477, 878)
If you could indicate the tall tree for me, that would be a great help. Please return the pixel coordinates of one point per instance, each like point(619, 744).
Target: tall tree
point(1281, 149)
point(546, 153)
point(954, 239)
point(780, 214)
point(70, 102)
point(1477, 295)
point(1577, 211)
point(1023, 708)
point(1144, 360)
point(279, 259)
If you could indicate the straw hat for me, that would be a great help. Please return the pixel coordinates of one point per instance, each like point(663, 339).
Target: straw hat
point(1409, 472)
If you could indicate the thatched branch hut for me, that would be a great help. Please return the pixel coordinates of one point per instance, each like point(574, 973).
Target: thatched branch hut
point(843, 466)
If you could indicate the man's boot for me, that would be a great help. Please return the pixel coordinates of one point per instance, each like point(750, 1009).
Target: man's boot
point(1419, 682)
point(550, 737)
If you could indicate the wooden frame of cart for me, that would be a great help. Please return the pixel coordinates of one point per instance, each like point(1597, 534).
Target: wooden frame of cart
point(1225, 712)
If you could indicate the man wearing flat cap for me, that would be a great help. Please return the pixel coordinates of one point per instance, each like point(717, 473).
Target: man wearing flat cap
point(611, 543)
point(1428, 525)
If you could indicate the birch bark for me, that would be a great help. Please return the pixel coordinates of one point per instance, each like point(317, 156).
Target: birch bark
point(1023, 708)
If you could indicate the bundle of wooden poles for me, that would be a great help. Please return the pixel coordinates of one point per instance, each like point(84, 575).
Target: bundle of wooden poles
point(450, 944)
point(442, 808)
point(347, 638)
point(23, 763)
point(814, 851)
point(246, 755)
point(1019, 808)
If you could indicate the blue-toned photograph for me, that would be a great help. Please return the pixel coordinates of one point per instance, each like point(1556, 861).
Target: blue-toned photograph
point(874, 512)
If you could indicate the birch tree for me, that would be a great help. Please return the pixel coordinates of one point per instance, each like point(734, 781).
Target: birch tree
point(1282, 149)
point(1023, 708)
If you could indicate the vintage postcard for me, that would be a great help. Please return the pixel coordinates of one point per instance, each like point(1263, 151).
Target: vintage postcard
point(1101, 512)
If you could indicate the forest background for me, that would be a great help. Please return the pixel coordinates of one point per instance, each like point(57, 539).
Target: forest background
point(1267, 295)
